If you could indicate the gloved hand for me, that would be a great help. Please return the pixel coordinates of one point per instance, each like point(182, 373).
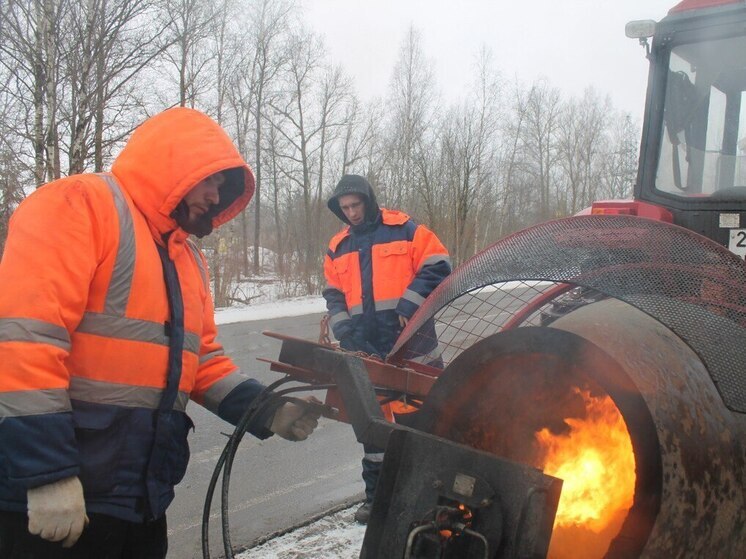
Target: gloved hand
point(56, 511)
point(295, 422)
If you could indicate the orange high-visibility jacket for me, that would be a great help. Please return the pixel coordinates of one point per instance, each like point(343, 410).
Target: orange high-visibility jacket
point(85, 323)
point(377, 276)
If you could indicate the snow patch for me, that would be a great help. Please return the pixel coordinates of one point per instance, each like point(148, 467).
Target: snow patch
point(336, 536)
point(276, 309)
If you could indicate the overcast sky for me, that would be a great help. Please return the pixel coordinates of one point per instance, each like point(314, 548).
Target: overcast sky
point(573, 43)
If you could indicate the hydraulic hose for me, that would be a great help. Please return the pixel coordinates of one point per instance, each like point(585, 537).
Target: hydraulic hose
point(266, 398)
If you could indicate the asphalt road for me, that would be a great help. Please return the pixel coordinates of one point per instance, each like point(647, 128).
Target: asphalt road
point(275, 484)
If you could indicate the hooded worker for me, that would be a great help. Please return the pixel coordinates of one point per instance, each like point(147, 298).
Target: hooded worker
point(106, 331)
point(379, 269)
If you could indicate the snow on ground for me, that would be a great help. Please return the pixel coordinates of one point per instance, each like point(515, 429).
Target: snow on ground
point(336, 536)
point(276, 309)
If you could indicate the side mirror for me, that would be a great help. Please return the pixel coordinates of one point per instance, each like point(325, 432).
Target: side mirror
point(640, 29)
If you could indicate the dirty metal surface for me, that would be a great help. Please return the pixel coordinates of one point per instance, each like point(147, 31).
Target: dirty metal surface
point(690, 451)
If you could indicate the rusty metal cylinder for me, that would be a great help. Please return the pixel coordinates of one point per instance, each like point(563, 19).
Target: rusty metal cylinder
point(689, 448)
point(701, 443)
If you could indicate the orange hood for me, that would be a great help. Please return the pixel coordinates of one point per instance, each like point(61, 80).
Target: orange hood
point(169, 154)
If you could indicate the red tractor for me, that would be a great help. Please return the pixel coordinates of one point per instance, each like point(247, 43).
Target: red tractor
point(593, 402)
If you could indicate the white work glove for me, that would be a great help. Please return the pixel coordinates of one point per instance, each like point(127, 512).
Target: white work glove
point(56, 511)
point(295, 422)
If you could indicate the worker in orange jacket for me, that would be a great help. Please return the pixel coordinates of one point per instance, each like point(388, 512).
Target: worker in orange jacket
point(106, 331)
point(379, 269)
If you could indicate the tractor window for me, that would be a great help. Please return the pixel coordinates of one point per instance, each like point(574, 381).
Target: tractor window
point(703, 148)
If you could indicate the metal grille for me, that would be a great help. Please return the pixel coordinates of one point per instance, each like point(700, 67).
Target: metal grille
point(690, 284)
point(482, 312)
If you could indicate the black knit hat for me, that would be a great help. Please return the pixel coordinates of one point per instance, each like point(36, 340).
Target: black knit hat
point(354, 184)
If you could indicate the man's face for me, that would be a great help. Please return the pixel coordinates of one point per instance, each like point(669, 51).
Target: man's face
point(202, 197)
point(353, 206)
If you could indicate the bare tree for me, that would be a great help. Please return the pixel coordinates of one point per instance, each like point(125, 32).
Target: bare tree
point(334, 100)
point(11, 191)
point(74, 66)
point(620, 164)
point(111, 43)
point(269, 18)
point(512, 167)
point(75, 77)
point(11, 171)
point(255, 61)
point(310, 107)
point(539, 140)
point(477, 128)
point(240, 95)
point(581, 150)
point(278, 197)
point(292, 111)
point(227, 52)
point(360, 133)
point(191, 27)
point(436, 170)
point(365, 145)
point(412, 102)
point(30, 49)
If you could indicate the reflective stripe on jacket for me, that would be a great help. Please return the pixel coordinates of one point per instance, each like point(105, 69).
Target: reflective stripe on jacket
point(85, 325)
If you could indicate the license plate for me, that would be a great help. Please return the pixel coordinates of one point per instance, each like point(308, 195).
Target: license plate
point(737, 243)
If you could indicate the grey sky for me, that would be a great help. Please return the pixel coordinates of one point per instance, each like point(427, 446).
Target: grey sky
point(574, 43)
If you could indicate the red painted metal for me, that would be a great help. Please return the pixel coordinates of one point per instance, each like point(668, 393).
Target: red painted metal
point(687, 5)
point(296, 360)
point(628, 207)
point(535, 304)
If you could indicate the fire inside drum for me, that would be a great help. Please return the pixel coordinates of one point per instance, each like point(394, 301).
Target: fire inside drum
point(616, 405)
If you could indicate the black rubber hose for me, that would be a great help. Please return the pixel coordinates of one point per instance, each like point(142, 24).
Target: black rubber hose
point(265, 398)
point(256, 406)
point(232, 447)
point(224, 465)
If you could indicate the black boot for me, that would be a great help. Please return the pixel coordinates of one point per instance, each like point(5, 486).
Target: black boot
point(362, 514)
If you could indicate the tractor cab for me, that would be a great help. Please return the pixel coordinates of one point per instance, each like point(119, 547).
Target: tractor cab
point(693, 150)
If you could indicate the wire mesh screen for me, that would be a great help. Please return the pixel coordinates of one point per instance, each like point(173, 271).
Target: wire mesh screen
point(690, 284)
point(485, 311)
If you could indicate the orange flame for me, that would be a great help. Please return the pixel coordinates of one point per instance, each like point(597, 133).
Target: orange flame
point(596, 462)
